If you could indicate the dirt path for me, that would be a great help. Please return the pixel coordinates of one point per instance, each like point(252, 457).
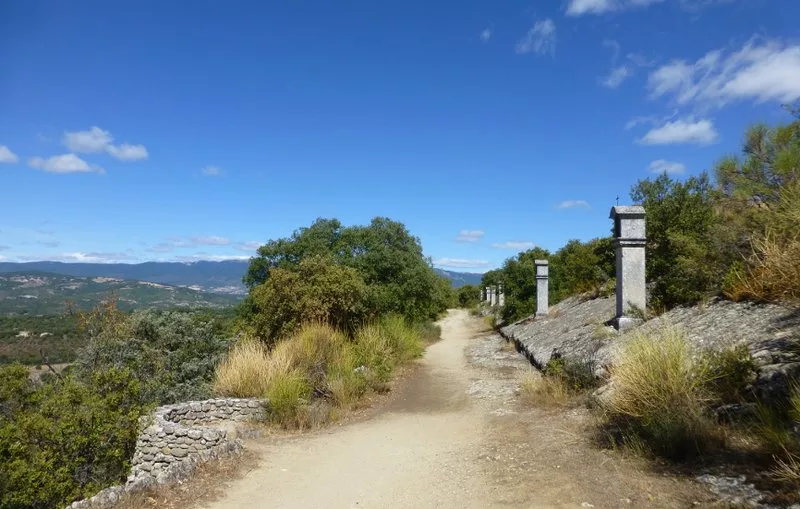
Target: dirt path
point(453, 436)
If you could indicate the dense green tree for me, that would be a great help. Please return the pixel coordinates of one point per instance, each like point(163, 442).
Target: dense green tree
point(388, 258)
point(468, 296)
point(317, 290)
point(684, 261)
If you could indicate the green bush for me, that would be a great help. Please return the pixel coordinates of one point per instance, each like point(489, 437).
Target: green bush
point(66, 439)
point(468, 296)
point(398, 277)
point(317, 290)
point(576, 374)
point(728, 372)
point(172, 354)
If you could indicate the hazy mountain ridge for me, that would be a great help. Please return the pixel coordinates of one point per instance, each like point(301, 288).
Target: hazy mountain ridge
point(48, 293)
point(224, 277)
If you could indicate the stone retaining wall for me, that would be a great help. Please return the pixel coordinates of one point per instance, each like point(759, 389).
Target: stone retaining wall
point(177, 438)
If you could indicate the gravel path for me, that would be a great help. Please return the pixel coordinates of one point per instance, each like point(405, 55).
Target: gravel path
point(454, 435)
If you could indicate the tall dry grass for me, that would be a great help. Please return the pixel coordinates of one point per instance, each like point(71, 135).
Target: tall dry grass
point(318, 370)
point(773, 272)
point(661, 395)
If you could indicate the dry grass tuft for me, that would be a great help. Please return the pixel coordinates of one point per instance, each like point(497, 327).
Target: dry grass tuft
point(545, 391)
point(244, 372)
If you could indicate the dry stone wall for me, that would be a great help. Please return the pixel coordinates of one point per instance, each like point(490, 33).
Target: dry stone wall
point(176, 438)
point(579, 329)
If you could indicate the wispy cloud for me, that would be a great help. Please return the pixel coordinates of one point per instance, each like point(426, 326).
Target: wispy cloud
point(540, 39)
point(200, 257)
point(211, 171)
point(514, 244)
point(762, 70)
point(470, 236)
point(249, 246)
point(486, 34)
point(67, 163)
point(581, 7)
point(573, 204)
point(699, 132)
point(92, 257)
point(211, 240)
point(459, 263)
point(48, 243)
point(173, 243)
point(616, 77)
point(4, 248)
point(98, 140)
point(7, 156)
point(669, 167)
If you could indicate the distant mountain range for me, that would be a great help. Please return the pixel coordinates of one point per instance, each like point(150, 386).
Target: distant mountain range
point(43, 293)
point(223, 277)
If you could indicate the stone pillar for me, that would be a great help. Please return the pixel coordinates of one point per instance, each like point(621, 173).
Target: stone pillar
point(501, 296)
point(542, 287)
point(629, 240)
point(488, 293)
point(492, 296)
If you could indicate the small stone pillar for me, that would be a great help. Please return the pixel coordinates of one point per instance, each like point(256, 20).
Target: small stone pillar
point(488, 293)
point(492, 295)
point(501, 296)
point(542, 287)
point(629, 240)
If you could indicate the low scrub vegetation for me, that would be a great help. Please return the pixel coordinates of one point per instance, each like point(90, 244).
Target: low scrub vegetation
point(66, 438)
point(318, 369)
point(562, 381)
point(736, 235)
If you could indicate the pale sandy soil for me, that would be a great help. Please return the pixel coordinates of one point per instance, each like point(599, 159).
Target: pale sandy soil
point(453, 435)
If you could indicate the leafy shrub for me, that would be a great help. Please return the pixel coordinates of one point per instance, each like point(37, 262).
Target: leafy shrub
point(468, 296)
point(173, 354)
point(576, 374)
point(317, 290)
point(728, 372)
point(65, 439)
point(388, 259)
point(660, 396)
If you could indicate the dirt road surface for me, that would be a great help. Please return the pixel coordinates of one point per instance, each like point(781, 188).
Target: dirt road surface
point(454, 435)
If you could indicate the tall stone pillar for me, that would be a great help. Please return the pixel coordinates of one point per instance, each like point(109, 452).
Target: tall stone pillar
point(492, 295)
point(629, 240)
point(542, 287)
point(501, 296)
point(488, 298)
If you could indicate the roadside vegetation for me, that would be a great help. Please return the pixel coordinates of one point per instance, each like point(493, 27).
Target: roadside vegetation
point(332, 313)
point(735, 236)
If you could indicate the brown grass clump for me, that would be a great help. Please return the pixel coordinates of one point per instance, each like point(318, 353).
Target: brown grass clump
point(660, 397)
point(244, 372)
point(545, 391)
point(310, 375)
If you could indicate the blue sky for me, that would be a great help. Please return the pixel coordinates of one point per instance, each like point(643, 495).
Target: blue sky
point(134, 131)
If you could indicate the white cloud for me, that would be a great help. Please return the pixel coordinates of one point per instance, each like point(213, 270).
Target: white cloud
point(470, 236)
point(173, 243)
point(98, 140)
point(540, 39)
point(669, 167)
point(93, 140)
point(460, 263)
point(580, 7)
point(92, 257)
point(486, 34)
point(616, 77)
point(573, 204)
point(514, 244)
point(211, 240)
point(67, 163)
point(7, 156)
point(250, 245)
point(760, 71)
point(203, 257)
point(701, 132)
point(127, 152)
point(211, 171)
